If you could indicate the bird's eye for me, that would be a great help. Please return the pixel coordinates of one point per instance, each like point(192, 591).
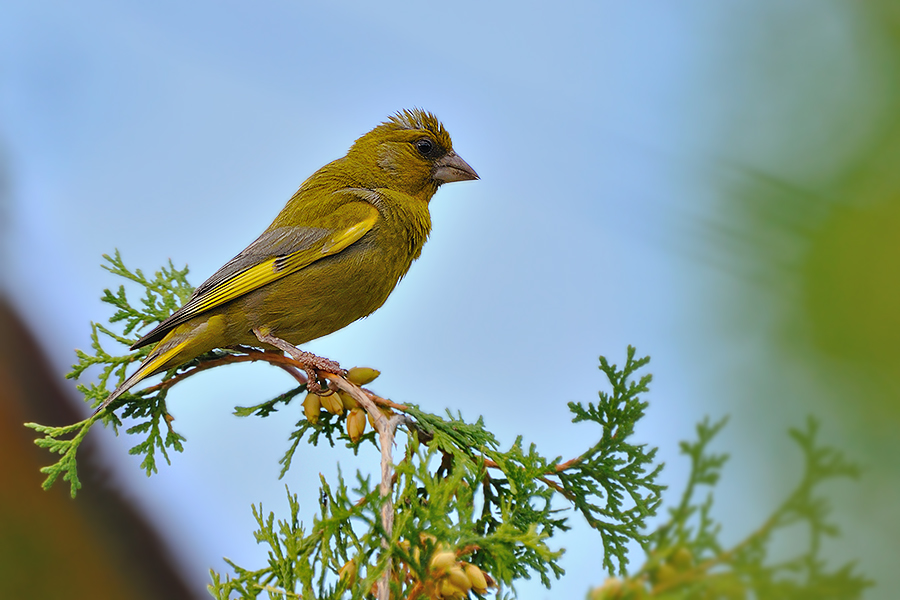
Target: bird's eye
point(424, 146)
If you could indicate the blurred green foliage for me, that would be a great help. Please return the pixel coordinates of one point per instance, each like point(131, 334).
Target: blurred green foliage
point(686, 559)
point(816, 232)
point(826, 240)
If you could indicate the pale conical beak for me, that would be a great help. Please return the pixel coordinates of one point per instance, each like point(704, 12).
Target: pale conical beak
point(452, 168)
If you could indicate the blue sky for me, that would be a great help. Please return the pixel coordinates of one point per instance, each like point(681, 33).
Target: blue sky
point(178, 131)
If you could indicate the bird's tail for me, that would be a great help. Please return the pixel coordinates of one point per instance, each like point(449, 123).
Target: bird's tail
point(164, 355)
point(126, 385)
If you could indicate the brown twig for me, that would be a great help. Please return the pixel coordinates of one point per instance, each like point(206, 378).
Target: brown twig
point(416, 591)
point(564, 466)
point(384, 401)
point(544, 478)
point(276, 359)
point(296, 373)
point(557, 469)
point(386, 427)
point(279, 360)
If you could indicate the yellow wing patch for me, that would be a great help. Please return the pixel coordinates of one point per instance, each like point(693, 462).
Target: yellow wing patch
point(342, 239)
point(158, 362)
point(278, 267)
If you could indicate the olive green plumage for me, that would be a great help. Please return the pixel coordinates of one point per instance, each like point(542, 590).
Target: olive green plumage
point(332, 256)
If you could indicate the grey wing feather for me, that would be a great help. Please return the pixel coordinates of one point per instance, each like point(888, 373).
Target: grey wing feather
point(272, 243)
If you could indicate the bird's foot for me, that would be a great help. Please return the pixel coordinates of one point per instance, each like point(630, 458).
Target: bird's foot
point(311, 363)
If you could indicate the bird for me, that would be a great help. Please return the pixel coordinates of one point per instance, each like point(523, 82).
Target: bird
point(332, 256)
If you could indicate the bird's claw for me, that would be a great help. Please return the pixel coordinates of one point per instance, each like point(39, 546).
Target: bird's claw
point(311, 363)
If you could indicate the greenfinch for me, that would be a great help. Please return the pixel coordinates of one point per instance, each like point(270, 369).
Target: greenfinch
point(332, 255)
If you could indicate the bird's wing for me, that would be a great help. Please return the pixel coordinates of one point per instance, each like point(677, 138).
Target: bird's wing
point(275, 254)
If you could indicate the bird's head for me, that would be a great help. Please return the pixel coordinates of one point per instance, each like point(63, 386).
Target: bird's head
point(411, 152)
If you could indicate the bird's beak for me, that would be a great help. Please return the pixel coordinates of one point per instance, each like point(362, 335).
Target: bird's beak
point(452, 168)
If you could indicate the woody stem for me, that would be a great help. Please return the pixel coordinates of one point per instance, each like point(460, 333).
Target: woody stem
point(386, 428)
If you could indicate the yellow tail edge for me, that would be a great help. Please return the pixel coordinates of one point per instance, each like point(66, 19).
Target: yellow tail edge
point(152, 365)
